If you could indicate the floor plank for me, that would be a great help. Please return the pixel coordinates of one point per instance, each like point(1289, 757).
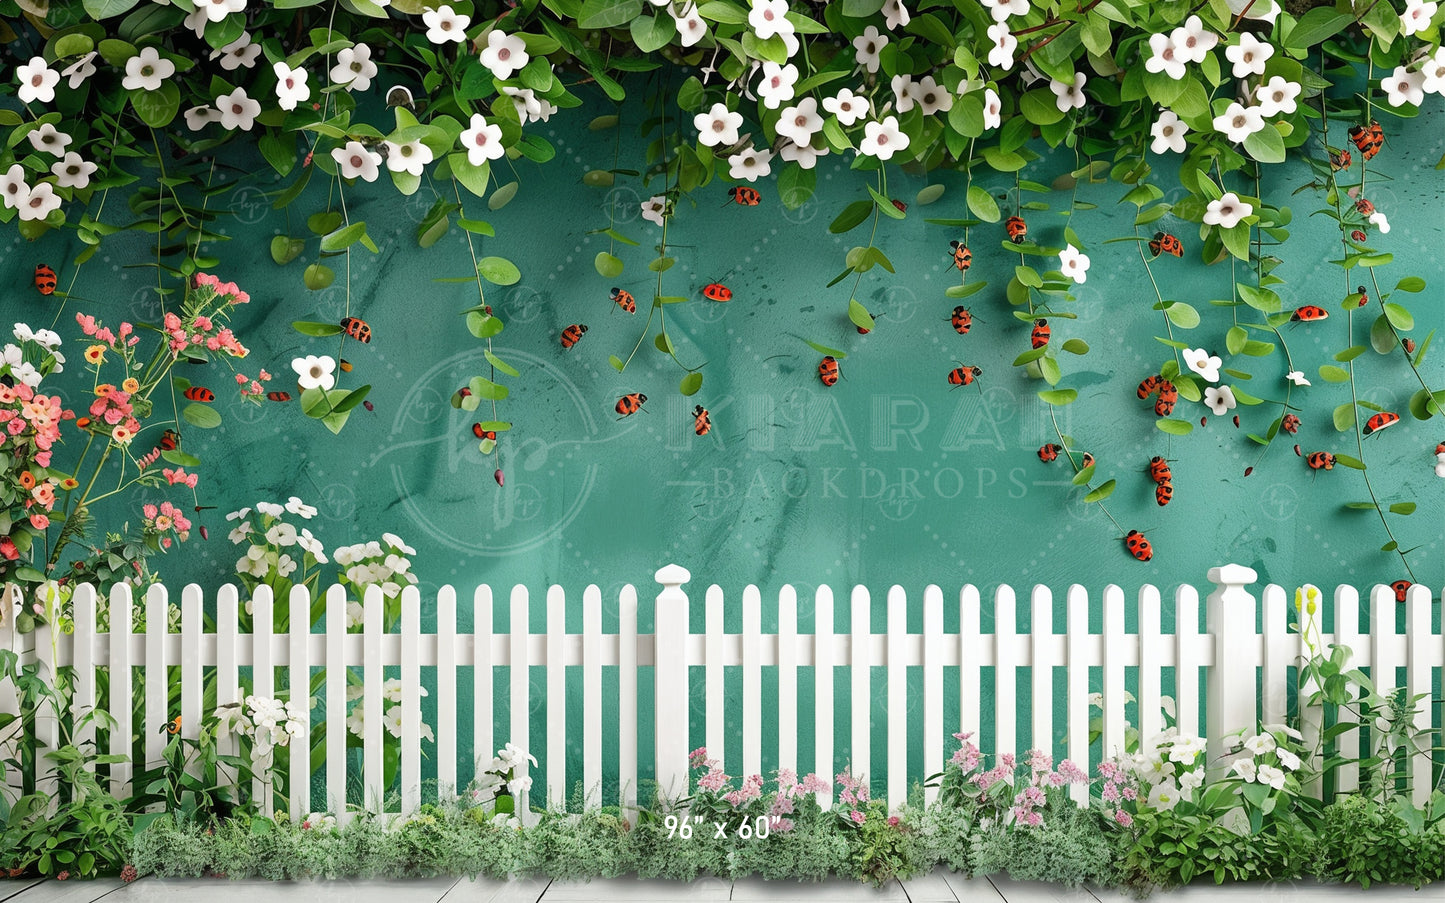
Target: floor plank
point(68, 891)
point(222, 890)
point(971, 890)
point(930, 888)
point(1037, 891)
point(650, 890)
point(834, 890)
point(486, 890)
point(10, 887)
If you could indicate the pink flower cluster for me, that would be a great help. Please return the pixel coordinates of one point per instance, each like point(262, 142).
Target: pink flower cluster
point(222, 289)
point(200, 330)
point(165, 518)
point(31, 420)
point(112, 405)
point(253, 389)
point(752, 789)
point(179, 475)
point(966, 756)
point(1119, 786)
point(123, 337)
point(855, 790)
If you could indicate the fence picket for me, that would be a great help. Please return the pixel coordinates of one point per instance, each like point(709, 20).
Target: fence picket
point(970, 664)
point(122, 709)
point(1384, 659)
point(752, 681)
point(1417, 680)
point(788, 679)
point(1005, 671)
point(228, 670)
point(628, 703)
point(447, 727)
point(374, 792)
point(592, 695)
point(1151, 663)
point(193, 630)
point(897, 695)
point(556, 758)
point(1041, 668)
point(713, 682)
point(1115, 643)
point(263, 677)
point(410, 700)
point(298, 803)
point(1278, 656)
point(933, 728)
point(82, 606)
point(482, 674)
point(823, 665)
point(1078, 678)
point(1347, 633)
point(860, 674)
point(519, 682)
point(337, 726)
point(11, 599)
point(1189, 655)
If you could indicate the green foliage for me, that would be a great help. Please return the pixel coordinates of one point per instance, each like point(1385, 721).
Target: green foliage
point(1362, 841)
point(1073, 847)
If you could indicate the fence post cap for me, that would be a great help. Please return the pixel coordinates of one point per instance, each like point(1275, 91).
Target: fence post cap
point(673, 575)
point(1233, 575)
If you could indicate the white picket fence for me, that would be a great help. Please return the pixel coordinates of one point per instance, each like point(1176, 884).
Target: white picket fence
point(1230, 651)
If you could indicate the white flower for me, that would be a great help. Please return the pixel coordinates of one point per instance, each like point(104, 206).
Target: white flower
point(291, 87)
point(238, 515)
point(847, 106)
point(1168, 133)
point(1074, 264)
point(238, 53)
point(1069, 96)
point(1440, 465)
point(354, 68)
point(1432, 72)
point(482, 141)
point(1004, 45)
point(300, 508)
point(41, 203)
point(1277, 96)
point(1297, 377)
point(238, 110)
point(356, 161)
point(805, 155)
point(355, 615)
point(37, 81)
point(240, 534)
point(1238, 122)
point(1191, 780)
point(867, 45)
point(655, 208)
point(1227, 211)
point(1163, 57)
point(79, 70)
point(148, 70)
point(216, 10)
point(800, 123)
point(285, 565)
point(356, 721)
point(883, 139)
point(1378, 219)
point(895, 14)
point(690, 27)
point(1417, 16)
point(72, 171)
point(1192, 40)
point(445, 24)
point(412, 157)
point(931, 96)
point(1260, 10)
point(1269, 774)
point(717, 126)
point(504, 54)
point(777, 84)
point(1203, 363)
point(1249, 55)
point(992, 109)
point(750, 164)
point(48, 140)
point(769, 17)
point(281, 534)
point(15, 191)
point(392, 720)
point(1164, 796)
point(198, 118)
point(1404, 86)
point(1245, 768)
point(47, 338)
point(1287, 760)
point(197, 21)
point(903, 92)
point(1259, 744)
point(312, 372)
point(271, 509)
point(395, 542)
point(529, 108)
point(1186, 749)
point(1220, 400)
point(1002, 9)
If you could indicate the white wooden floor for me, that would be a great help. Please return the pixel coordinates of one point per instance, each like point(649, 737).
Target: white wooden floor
point(935, 888)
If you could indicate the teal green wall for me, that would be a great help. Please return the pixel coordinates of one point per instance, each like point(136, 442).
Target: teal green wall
point(889, 477)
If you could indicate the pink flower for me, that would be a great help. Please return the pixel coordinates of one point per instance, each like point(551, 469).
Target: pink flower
point(266, 377)
point(87, 323)
point(240, 379)
point(892, 821)
point(1073, 773)
point(814, 784)
point(7, 548)
point(150, 512)
point(857, 816)
point(783, 825)
point(39, 521)
point(1110, 792)
point(694, 758)
point(713, 781)
point(1007, 760)
point(1056, 779)
point(1034, 819)
point(1123, 819)
point(1131, 794)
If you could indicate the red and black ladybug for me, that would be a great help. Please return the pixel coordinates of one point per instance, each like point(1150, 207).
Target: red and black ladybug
point(1308, 314)
point(962, 320)
point(1164, 243)
point(1368, 138)
point(828, 370)
point(1040, 335)
point(1168, 397)
point(200, 393)
point(1149, 385)
point(963, 376)
point(630, 404)
point(483, 434)
point(1159, 470)
point(1163, 493)
point(1364, 206)
point(624, 300)
point(357, 328)
point(278, 396)
point(1364, 296)
point(1138, 546)
point(701, 422)
point(44, 279)
point(962, 256)
point(1401, 587)
point(1049, 452)
point(1289, 423)
point(1408, 345)
point(716, 291)
point(170, 440)
point(1017, 229)
point(1380, 421)
point(1340, 159)
point(570, 336)
point(745, 196)
point(1321, 461)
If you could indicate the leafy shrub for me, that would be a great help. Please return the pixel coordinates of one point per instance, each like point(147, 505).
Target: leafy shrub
point(1073, 847)
point(1363, 841)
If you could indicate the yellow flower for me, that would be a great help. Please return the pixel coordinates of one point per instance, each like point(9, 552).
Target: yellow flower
point(95, 354)
point(69, 483)
point(130, 386)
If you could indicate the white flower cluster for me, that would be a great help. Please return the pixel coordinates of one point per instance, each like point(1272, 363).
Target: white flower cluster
point(272, 542)
point(13, 362)
point(267, 723)
point(1171, 768)
point(367, 564)
point(1262, 759)
point(502, 772)
point(391, 718)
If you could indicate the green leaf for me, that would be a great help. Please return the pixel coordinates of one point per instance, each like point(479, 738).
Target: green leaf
point(318, 276)
point(690, 384)
point(1382, 339)
point(1261, 299)
point(982, 204)
point(1040, 107)
point(651, 33)
point(1348, 461)
point(180, 458)
point(851, 217)
point(1059, 397)
point(1103, 492)
point(663, 343)
point(1344, 417)
point(1350, 353)
point(284, 249)
point(485, 388)
point(1083, 477)
point(1399, 317)
point(1265, 145)
point(1332, 374)
point(598, 14)
point(1028, 357)
point(928, 194)
point(1234, 339)
point(1174, 427)
point(501, 364)
point(661, 264)
point(1402, 508)
point(1315, 26)
point(616, 362)
point(499, 271)
point(502, 195)
point(320, 330)
point(859, 314)
point(1076, 346)
point(343, 238)
point(861, 9)
point(322, 223)
point(825, 350)
point(1410, 284)
point(608, 266)
point(483, 326)
point(1182, 315)
point(201, 415)
point(796, 186)
point(104, 9)
point(349, 400)
point(157, 108)
point(886, 206)
point(964, 290)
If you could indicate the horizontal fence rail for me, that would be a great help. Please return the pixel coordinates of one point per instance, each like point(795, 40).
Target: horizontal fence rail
point(1230, 675)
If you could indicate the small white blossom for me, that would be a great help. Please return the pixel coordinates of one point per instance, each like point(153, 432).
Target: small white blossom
point(1002, 9)
point(41, 203)
point(37, 81)
point(446, 25)
point(690, 26)
point(1404, 86)
point(847, 106)
point(48, 140)
point(1001, 54)
point(801, 122)
point(883, 139)
point(1287, 760)
point(867, 46)
point(1245, 768)
point(1249, 55)
point(1432, 73)
point(1297, 377)
point(718, 126)
point(238, 53)
point(72, 171)
point(992, 109)
point(216, 10)
point(1277, 96)
point(1074, 264)
point(355, 161)
point(504, 54)
point(1227, 211)
point(354, 68)
point(291, 87)
point(271, 509)
point(776, 87)
point(1191, 780)
point(750, 164)
point(805, 155)
point(769, 17)
point(15, 191)
point(198, 118)
point(895, 14)
point(931, 96)
point(1203, 363)
point(1238, 122)
point(411, 157)
point(1220, 400)
point(312, 372)
point(1069, 96)
point(1416, 17)
point(237, 110)
point(903, 98)
point(1168, 132)
point(1269, 774)
point(655, 208)
point(148, 70)
point(78, 71)
point(1378, 220)
point(1163, 57)
point(482, 141)
point(1192, 40)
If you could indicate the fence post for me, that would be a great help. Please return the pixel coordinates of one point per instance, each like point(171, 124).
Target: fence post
point(1229, 618)
point(670, 686)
